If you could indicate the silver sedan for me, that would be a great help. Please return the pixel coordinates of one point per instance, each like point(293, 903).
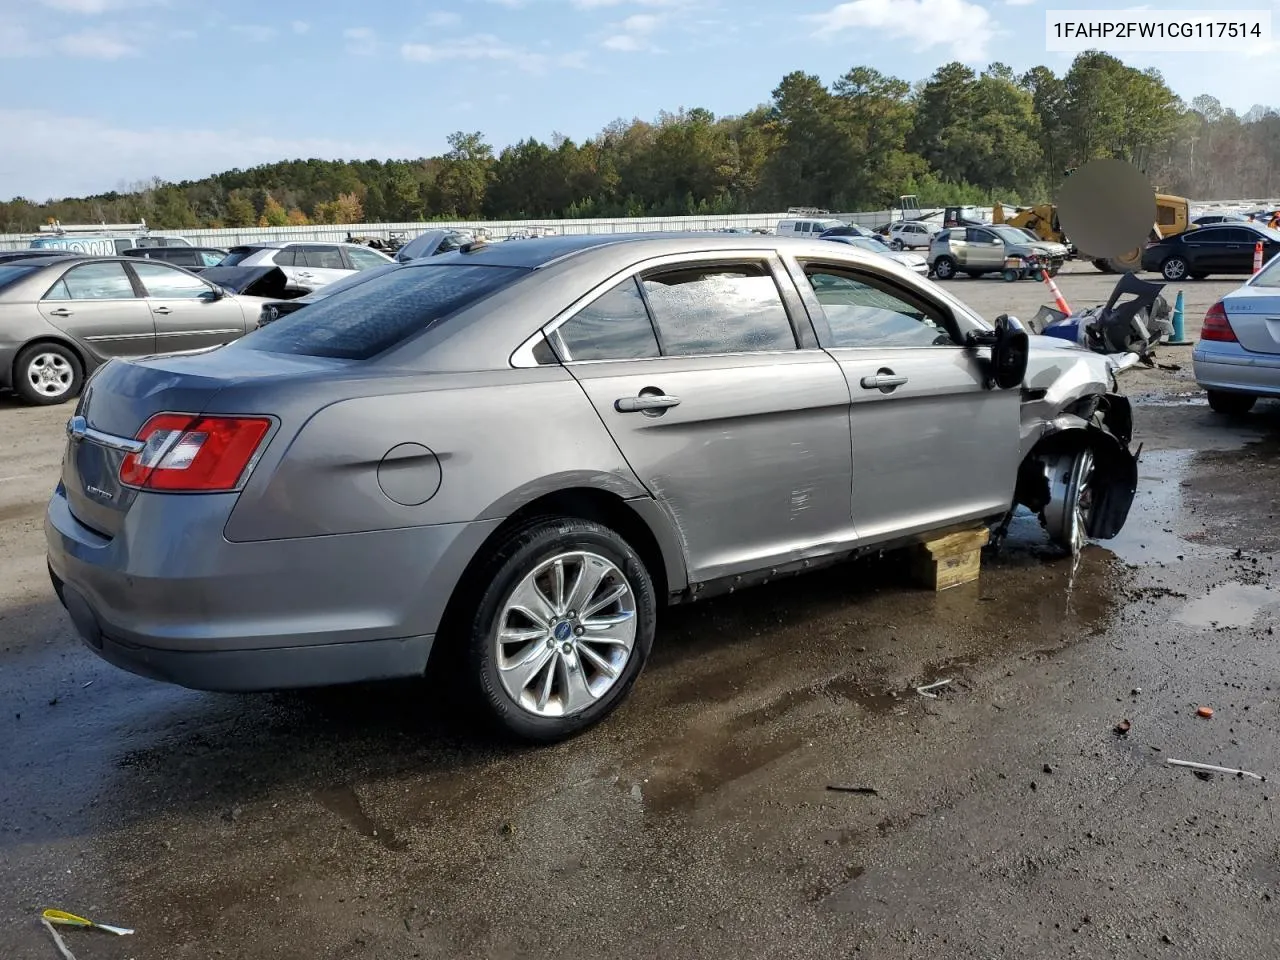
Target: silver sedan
point(63, 316)
point(1237, 359)
point(506, 459)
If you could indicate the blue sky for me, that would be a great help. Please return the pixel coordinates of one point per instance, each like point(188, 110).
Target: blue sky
point(103, 93)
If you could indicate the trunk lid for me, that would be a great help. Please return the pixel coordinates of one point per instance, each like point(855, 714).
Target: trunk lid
point(123, 394)
point(1254, 313)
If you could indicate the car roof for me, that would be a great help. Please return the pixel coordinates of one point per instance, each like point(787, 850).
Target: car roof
point(543, 251)
point(281, 244)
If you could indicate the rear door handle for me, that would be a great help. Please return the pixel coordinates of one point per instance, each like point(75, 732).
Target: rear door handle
point(885, 380)
point(645, 402)
point(161, 310)
point(60, 312)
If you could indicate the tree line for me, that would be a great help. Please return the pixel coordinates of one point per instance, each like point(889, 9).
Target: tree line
point(960, 136)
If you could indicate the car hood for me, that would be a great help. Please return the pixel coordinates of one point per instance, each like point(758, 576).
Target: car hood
point(1041, 247)
point(269, 281)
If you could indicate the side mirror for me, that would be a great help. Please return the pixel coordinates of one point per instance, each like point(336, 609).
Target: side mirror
point(1009, 353)
point(217, 292)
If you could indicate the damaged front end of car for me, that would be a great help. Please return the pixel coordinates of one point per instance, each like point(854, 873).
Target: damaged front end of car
point(1078, 472)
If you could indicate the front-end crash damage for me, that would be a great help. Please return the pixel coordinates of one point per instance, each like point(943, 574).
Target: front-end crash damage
point(1078, 472)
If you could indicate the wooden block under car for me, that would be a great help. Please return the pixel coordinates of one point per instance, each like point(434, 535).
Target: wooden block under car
point(950, 560)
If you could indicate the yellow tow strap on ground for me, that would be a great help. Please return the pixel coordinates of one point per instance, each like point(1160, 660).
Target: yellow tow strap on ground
point(71, 920)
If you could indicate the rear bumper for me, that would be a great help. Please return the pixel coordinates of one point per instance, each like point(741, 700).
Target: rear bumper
point(191, 608)
point(1231, 368)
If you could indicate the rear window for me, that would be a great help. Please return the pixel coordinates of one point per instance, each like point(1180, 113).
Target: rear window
point(235, 255)
point(364, 320)
point(12, 273)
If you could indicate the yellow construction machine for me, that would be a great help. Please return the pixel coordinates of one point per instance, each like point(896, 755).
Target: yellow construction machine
point(1173, 216)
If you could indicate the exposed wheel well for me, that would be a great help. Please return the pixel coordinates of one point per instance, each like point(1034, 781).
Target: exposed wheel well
point(66, 345)
point(584, 503)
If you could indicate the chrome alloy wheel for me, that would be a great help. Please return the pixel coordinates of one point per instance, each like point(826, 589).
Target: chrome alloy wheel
point(565, 634)
point(1070, 509)
point(50, 374)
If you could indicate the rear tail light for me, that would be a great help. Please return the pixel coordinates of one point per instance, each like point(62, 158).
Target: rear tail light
point(1216, 325)
point(188, 454)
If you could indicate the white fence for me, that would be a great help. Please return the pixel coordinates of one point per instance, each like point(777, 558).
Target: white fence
point(334, 233)
point(498, 229)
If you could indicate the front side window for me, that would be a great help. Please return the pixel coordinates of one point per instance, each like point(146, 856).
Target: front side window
point(164, 282)
point(322, 258)
point(866, 312)
point(615, 326)
point(715, 309)
point(210, 258)
point(93, 281)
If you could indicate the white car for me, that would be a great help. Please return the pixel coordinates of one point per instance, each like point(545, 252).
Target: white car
point(1237, 358)
point(308, 265)
point(912, 261)
point(910, 235)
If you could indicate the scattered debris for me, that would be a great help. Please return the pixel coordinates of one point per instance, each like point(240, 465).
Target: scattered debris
point(1135, 692)
point(1206, 712)
point(865, 791)
point(1048, 768)
point(1169, 366)
point(86, 685)
point(1209, 767)
point(1123, 727)
point(71, 920)
point(924, 691)
point(49, 917)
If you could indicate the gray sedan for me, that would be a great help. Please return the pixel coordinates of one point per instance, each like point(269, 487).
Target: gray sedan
point(63, 316)
point(507, 458)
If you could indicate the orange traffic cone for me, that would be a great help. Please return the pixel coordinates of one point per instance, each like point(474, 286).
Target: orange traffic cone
point(1057, 294)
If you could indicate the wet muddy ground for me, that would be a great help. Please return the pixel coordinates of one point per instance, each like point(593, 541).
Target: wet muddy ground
point(1004, 817)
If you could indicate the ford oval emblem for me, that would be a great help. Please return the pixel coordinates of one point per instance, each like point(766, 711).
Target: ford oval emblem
point(76, 427)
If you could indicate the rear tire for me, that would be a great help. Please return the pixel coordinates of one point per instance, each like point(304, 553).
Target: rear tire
point(1231, 404)
point(567, 642)
point(944, 268)
point(45, 374)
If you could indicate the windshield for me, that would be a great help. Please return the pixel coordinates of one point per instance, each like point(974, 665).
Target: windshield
point(1012, 234)
point(11, 273)
point(364, 320)
point(236, 255)
point(1268, 276)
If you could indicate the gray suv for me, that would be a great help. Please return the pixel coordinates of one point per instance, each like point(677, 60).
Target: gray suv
point(982, 250)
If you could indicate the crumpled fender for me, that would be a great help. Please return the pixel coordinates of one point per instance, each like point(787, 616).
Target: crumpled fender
point(1103, 422)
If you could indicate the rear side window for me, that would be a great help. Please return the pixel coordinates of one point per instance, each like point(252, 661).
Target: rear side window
point(368, 318)
point(615, 326)
point(94, 281)
point(321, 258)
point(718, 309)
point(12, 273)
point(287, 257)
point(210, 258)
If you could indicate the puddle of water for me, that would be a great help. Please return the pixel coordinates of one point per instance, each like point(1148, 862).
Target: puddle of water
point(343, 801)
point(1229, 605)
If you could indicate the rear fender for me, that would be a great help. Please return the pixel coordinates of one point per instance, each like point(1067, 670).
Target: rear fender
point(1103, 424)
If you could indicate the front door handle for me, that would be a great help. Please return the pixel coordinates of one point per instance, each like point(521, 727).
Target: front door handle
point(885, 380)
point(645, 403)
point(60, 312)
point(162, 310)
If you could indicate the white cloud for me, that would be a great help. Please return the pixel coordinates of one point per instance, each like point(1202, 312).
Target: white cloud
point(99, 6)
point(255, 33)
point(93, 156)
point(361, 41)
point(16, 41)
point(598, 4)
point(300, 26)
point(443, 18)
point(1019, 3)
point(486, 47)
point(966, 28)
point(632, 34)
point(93, 45)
